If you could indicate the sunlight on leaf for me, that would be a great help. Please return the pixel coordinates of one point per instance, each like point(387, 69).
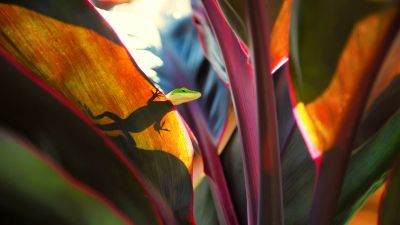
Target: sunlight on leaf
point(108, 3)
point(59, 131)
point(78, 55)
point(322, 119)
point(368, 214)
point(94, 72)
point(279, 49)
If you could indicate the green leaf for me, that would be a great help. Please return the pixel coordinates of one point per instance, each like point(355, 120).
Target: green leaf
point(204, 208)
point(368, 167)
point(34, 190)
point(390, 204)
point(366, 171)
point(232, 162)
point(298, 173)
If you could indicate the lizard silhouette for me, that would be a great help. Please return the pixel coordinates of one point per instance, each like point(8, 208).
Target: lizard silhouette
point(140, 119)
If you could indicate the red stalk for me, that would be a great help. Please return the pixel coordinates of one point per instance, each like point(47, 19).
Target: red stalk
point(270, 203)
point(242, 91)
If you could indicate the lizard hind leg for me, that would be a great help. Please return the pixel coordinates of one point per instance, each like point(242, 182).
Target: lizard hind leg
point(109, 127)
point(116, 125)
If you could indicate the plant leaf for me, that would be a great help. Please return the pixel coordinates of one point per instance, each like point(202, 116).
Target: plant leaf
point(205, 212)
point(279, 47)
point(242, 91)
point(234, 11)
point(382, 102)
point(35, 190)
point(389, 211)
point(366, 171)
point(106, 4)
point(77, 54)
point(270, 197)
point(58, 131)
point(212, 49)
point(232, 162)
point(368, 167)
point(185, 66)
point(328, 102)
point(323, 102)
point(367, 214)
point(278, 19)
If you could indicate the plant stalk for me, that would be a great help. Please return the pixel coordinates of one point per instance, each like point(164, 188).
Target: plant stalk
point(270, 204)
point(242, 91)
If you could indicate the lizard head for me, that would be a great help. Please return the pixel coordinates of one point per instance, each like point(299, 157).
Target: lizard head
point(182, 95)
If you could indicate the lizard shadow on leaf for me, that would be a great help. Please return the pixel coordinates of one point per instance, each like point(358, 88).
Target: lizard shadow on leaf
point(137, 121)
point(157, 165)
point(58, 133)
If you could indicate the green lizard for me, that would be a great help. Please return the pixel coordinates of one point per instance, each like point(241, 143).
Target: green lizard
point(182, 95)
point(148, 115)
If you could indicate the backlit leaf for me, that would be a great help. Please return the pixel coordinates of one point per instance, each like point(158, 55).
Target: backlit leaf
point(54, 127)
point(78, 55)
point(332, 61)
point(105, 4)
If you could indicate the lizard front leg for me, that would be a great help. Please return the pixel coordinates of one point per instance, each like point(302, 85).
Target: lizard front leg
point(155, 95)
point(159, 126)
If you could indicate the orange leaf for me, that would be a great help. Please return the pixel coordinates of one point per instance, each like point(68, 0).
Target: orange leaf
point(92, 70)
point(324, 118)
point(279, 49)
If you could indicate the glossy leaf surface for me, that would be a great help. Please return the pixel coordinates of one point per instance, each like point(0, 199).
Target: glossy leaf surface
point(52, 195)
point(77, 54)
